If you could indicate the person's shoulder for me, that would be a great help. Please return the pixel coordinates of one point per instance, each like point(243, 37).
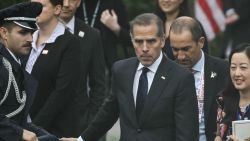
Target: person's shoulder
point(66, 36)
point(88, 29)
point(175, 67)
point(125, 62)
point(218, 62)
point(67, 40)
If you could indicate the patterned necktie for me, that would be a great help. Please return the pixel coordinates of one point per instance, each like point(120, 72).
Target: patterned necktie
point(141, 92)
point(192, 71)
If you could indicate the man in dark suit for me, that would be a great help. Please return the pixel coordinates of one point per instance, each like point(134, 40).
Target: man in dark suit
point(100, 14)
point(94, 64)
point(90, 11)
point(17, 87)
point(153, 97)
point(187, 40)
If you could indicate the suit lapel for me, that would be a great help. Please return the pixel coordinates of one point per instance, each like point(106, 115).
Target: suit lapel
point(79, 28)
point(209, 86)
point(129, 87)
point(159, 82)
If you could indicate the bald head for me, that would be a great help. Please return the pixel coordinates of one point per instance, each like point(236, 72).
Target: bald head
point(187, 24)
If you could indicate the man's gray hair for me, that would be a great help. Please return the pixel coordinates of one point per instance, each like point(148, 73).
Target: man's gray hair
point(148, 19)
point(187, 23)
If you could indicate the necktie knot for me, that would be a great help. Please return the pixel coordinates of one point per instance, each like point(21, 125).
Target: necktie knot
point(145, 70)
point(193, 71)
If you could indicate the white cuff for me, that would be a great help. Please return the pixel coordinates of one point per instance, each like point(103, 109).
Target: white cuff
point(80, 139)
point(230, 11)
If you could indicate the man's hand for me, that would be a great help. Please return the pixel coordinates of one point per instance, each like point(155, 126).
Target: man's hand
point(232, 18)
point(68, 139)
point(29, 136)
point(111, 21)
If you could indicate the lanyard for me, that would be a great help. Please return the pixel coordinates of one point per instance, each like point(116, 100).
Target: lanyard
point(94, 15)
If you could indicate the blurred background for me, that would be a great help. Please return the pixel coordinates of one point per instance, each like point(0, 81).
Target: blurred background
point(135, 7)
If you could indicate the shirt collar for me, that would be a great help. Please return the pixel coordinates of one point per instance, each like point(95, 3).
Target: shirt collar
point(200, 64)
point(154, 66)
point(59, 30)
point(71, 25)
point(15, 58)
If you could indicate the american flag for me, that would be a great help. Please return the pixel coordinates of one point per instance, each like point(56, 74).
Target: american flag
point(210, 14)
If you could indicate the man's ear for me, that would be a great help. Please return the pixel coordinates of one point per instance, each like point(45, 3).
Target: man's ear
point(57, 9)
point(201, 42)
point(3, 33)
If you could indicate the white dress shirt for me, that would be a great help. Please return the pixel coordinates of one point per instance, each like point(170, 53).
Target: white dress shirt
point(37, 50)
point(71, 25)
point(198, 75)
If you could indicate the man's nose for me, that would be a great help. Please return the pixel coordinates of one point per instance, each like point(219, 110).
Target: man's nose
point(180, 55)
point(144, 46)
point(29, 37)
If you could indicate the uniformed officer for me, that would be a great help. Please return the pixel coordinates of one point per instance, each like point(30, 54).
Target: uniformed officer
point(17, 88)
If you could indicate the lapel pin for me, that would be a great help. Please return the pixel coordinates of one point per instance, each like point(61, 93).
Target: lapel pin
point(45, 52)
point(213, 74)
point(81, 34)
point(162, 77)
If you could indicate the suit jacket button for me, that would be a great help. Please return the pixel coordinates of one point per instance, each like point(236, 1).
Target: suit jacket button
point(138, 130)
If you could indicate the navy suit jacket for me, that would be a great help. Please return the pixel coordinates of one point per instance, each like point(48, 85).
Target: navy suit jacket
point(93, 73)
point(170, 112)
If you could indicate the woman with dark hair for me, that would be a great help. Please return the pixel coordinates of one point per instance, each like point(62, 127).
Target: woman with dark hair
point(168, 11)
point(235, 100)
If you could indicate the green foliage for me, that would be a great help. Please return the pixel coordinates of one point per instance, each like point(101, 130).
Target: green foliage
point(136, 7)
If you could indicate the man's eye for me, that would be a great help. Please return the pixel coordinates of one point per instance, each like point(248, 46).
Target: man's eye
point(175, 49)
point(152, 41)
point(185, 49)
point(139, 41)
point(24, 32)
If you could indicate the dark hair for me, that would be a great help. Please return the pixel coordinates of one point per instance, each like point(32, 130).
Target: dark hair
point(184, 10)
point(187, 23)
point(243, 47)
point(8, 25)
point(230, 94)
point(148, 19)
point(56, 2)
